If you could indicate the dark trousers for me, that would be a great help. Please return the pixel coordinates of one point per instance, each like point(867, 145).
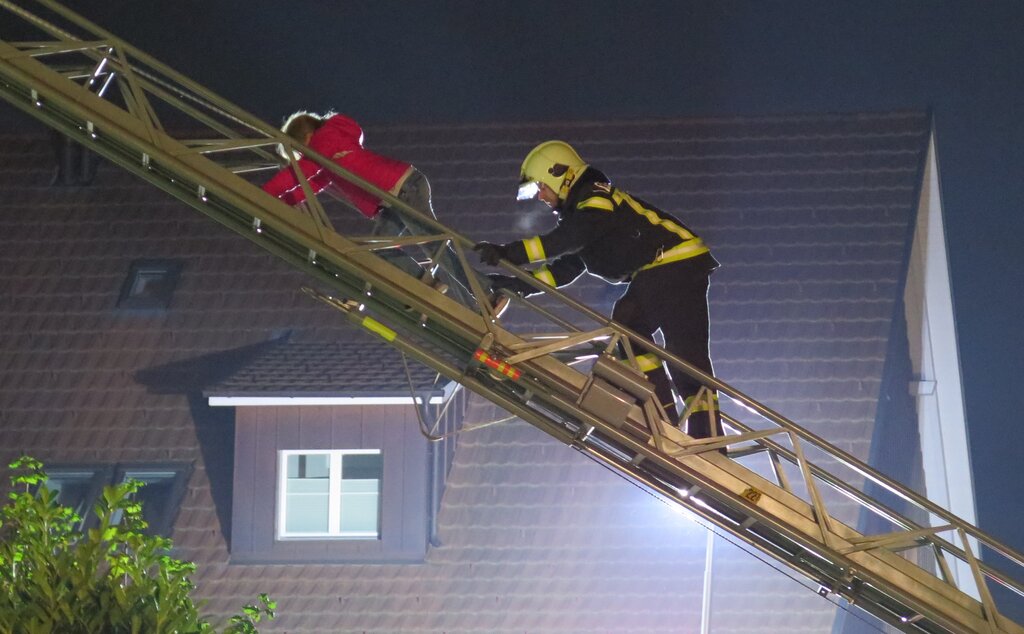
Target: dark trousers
point(415, 192)
point(674, 298)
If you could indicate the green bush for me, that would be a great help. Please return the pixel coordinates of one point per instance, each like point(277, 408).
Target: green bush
point(112, 578)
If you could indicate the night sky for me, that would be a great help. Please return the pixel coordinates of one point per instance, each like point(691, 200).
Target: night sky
point(525, 61)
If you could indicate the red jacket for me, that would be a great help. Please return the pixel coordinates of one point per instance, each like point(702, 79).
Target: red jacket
point(341, 139)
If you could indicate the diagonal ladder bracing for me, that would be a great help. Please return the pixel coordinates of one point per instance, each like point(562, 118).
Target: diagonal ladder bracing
point(121, 103)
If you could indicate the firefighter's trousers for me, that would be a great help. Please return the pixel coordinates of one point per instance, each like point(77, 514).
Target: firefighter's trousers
point(673, 298)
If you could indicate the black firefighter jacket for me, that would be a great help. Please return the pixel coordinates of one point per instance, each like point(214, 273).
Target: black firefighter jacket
point(605, 231)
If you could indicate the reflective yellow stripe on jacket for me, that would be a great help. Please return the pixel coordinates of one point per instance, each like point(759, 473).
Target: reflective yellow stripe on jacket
point(686, 250)
point(597, 202)
point(652, 217)
point(534, 249)
point(544, 274)
point(648, 362)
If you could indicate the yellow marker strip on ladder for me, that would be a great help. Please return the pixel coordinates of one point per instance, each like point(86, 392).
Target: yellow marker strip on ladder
point(378, 328)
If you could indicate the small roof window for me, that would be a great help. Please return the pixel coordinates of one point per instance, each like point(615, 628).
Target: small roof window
point(150, 285)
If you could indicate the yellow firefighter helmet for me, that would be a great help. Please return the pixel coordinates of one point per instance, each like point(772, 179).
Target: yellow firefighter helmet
point(553, 163)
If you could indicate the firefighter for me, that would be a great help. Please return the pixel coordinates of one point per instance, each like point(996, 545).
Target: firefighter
point(604, 231)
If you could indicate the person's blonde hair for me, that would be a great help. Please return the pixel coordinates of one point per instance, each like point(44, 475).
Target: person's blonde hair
point(301, 123)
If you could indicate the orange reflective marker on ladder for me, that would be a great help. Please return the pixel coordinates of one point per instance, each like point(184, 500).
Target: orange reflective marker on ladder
point(496, 364)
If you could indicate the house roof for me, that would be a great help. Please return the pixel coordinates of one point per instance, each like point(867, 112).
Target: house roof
point(356, 367)
point(808, 215)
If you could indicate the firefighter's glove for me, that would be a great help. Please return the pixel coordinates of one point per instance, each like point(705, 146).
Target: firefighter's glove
point(513, 284)
point(490, 253)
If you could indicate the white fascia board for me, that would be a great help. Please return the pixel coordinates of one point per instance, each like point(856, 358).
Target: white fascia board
point(938, 381)
point(278, 401)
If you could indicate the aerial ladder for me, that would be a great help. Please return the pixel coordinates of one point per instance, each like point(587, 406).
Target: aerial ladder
point(578, 382)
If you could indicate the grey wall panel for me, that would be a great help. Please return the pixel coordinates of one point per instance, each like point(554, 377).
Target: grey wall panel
point(264, 431)
point(242, 493)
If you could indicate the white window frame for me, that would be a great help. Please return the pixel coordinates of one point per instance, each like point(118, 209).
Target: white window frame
point(334, 495)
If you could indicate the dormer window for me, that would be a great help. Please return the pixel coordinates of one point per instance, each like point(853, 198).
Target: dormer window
point(330, 465)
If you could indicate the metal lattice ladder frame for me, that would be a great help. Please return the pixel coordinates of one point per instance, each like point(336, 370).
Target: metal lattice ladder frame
point(113, 98)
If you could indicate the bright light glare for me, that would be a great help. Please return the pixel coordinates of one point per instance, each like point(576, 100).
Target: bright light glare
point(582, 359)
point(682, 511)
point(285, 401)
point(528, 191)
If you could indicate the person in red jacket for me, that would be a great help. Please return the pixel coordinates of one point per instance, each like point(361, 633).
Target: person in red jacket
point(340, 139)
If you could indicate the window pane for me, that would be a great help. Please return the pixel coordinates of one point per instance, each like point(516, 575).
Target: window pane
point(309, 466)
point(306, 514)
point(360, 510)
point(157, 496)
point(360, 494)
point(150, 284)
point(360, 486)
point(307, 493)
point(361, 466)
point(75, 490)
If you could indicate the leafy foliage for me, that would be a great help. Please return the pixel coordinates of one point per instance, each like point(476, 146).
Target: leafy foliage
point(112, 578)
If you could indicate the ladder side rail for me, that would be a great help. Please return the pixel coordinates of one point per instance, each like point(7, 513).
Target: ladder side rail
point(273, 135)
point(878, 508)
point(766, 542)
point(559, 433)
point(238, 114)
point(770, 415)
point(843, 457)
point(153, 83)
point(115, 123)
point(485, 387)
point(121, 124)
point(195, 113)
point(163, 89)
point(881, 568)
point(914, 565)
point(135, 167)
point(225, 107)
point(723, 479)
